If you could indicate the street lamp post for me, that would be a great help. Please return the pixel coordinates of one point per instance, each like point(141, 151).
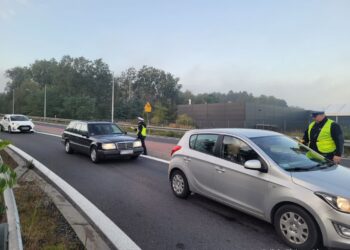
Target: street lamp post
point(45, 103)
point(112, 117)
point(13, 101)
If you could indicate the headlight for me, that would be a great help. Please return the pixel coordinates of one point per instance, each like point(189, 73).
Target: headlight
point(339, 203)
point(108, 146)
point(137, 144)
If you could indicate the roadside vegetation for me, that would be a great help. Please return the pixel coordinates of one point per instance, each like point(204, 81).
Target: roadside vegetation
point(42, 225)
point(78, 88)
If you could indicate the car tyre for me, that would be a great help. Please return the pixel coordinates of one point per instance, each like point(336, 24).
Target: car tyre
point(1, 128)
point(297, 228)
point(9, 129)
point(94, 155)
point(179, 184)
point(68, 148)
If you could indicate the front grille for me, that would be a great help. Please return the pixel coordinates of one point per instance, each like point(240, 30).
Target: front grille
point(125, 145)
point(24, 128)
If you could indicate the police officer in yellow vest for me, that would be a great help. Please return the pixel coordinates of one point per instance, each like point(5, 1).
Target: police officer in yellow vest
point(325, 137)
point(142, 133)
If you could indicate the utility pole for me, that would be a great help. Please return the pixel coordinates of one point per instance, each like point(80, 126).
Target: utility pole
point(112, 118)
point(45, 103)
point(13, 101)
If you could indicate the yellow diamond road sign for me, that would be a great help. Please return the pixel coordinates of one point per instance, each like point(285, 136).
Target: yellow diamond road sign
point(148, 108)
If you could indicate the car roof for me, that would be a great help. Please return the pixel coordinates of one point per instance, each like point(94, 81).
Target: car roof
point(93, 122)
point(242, 132)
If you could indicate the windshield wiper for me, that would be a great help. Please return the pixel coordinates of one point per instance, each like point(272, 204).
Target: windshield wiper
point(297, 169)
point(323, 165)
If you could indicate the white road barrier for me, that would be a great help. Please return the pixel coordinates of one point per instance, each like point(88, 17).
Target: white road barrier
point(116, 236)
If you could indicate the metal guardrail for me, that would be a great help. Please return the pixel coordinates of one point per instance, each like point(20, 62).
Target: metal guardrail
point(122, 123)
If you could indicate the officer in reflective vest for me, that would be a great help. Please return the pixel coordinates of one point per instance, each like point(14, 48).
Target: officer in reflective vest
point(142, 133)
point(325, 137)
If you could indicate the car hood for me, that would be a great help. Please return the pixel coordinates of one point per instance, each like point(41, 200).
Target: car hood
point(333, 180)
point(23, 123)
point(113, 138)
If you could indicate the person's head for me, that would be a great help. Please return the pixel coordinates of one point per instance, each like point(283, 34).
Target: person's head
point(140, 119)
point(318, 116)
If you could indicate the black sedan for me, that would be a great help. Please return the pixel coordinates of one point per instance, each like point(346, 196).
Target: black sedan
point(100, 140)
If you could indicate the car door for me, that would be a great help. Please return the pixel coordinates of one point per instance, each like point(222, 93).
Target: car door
point(74, 137)
point(6, 122)
point(84, 139)
point(201, 161)
point(243, 188)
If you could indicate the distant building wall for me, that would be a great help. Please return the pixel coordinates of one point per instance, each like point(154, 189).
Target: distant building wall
point(249, 115)
point(217, 115)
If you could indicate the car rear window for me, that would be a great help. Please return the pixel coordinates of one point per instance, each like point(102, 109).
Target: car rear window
point(206, 143)
point(193, 139)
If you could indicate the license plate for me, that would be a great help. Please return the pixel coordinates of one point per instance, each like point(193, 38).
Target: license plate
point(25, 128)
point(126, 152)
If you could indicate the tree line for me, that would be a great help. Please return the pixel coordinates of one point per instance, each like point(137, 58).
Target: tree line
point(81, 89)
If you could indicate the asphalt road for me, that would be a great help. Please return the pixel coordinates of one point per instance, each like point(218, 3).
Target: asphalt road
point(136, 195)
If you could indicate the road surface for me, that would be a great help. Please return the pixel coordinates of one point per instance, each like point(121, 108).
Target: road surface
point(136, 196)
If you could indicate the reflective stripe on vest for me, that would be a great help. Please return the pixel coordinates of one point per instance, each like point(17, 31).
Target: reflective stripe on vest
point(325, 143)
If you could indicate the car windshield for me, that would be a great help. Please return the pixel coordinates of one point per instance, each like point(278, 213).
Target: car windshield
point(291, 155)
point(104, 129)
point(19, 118)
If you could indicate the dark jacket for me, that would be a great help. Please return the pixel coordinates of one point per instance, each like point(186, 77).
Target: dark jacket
point(336, 133)
point(139, 126)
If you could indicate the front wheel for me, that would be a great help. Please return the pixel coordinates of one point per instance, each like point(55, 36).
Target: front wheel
point(9, 129)
point(297, 228)
point(1, 128)
point(93, 155)
point(179, 184)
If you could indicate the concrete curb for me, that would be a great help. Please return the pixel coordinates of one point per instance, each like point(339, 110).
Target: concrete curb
point(112, 232)
point(85, 232)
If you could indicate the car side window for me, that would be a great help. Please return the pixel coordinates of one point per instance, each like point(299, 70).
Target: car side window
point(193, 139)
point(206, 143)
point(77, 128)
point(71, 126)
point(83, 128)
point(237, 151)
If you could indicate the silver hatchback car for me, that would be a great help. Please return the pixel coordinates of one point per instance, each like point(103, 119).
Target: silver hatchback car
point(270, 176)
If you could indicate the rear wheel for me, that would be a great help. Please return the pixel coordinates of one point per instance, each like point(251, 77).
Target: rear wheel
point(297, 228)
point(68, 148)
point(179, 184)
point(93, 155)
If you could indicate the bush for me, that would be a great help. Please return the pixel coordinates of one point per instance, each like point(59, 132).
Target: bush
point(184, 120)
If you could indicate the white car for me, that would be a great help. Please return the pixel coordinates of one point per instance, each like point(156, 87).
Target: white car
point(16, 123)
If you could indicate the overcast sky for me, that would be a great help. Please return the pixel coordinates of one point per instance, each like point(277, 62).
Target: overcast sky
point(296, 50)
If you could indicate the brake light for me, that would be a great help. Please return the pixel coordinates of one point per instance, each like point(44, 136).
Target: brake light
point(176, 148)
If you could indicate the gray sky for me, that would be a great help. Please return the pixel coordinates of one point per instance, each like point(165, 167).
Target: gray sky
point(293, 49)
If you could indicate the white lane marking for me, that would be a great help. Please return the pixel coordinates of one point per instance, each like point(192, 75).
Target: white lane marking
point(117, 237)
point(144, 156)
point(155, 159)
point(44, 133)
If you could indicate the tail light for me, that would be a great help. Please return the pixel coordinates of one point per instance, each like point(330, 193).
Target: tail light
point(176, 148)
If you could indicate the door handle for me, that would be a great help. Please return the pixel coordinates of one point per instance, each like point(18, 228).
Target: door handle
point(220, 170)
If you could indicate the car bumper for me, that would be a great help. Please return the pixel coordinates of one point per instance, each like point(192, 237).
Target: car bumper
point(117, 154)
point(333, 237)
point(22, 130)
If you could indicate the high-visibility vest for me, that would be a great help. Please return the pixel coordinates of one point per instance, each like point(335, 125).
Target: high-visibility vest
point(144, 131)
point(325, 142)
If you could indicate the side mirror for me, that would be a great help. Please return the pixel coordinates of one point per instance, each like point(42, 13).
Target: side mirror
point(125, 132)
point(86, 134)
point(31, 120)
point(253, 165)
